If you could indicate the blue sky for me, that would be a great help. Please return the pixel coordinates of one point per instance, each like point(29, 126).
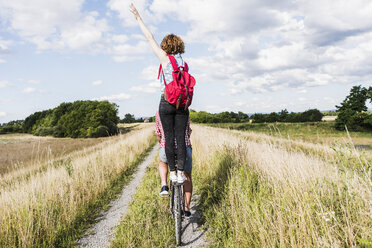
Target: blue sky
point(250, 56)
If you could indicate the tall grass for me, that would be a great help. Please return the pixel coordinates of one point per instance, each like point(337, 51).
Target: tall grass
point(339, 152)
point(148, 222)
point(47, 208)
point(258, 194)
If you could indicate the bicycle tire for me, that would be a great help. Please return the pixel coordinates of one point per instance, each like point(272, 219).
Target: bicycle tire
point(177, 213)
point(171, 199)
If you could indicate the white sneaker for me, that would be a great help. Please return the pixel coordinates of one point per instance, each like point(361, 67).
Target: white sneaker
point(180, 177)
point(173, 176)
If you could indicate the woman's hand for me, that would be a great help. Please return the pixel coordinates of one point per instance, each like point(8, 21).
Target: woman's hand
point(134, 11)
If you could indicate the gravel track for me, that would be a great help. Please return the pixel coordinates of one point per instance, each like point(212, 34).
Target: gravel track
point(192, 233)
point(101, 234)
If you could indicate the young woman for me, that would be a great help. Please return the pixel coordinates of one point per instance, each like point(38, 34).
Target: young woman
point(173, 120)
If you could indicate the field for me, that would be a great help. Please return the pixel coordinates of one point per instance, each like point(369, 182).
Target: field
point(50, 205)
point(316, 132)
point(24, 150)
point(282, 185)
point(266, 191)
point(260, 190)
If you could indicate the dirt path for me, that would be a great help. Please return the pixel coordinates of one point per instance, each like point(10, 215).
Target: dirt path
point(101, 234)
point(192, 233)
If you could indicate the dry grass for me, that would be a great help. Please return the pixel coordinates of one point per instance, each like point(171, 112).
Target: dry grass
point(259, 192)
point(19, 151)
point(27, 150)
point(338, 151)
point(36, 210)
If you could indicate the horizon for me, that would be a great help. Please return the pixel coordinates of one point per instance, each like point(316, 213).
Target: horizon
point(246, 56)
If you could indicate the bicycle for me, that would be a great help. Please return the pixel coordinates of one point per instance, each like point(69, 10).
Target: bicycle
point(177, 207)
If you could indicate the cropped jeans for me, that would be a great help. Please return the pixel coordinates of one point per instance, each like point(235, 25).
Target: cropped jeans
point(174, 122)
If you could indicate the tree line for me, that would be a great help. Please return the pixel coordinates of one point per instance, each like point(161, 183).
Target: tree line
point(223, 117)
point(79, 119)
point(83, 119)
point(311, 115)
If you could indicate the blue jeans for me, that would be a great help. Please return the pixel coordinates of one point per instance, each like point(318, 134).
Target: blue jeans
point(188, 163)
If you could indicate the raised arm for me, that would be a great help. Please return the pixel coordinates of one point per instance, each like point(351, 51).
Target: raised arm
point(150, 38)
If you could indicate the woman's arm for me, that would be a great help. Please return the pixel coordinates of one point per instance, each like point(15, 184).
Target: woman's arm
point(150, 38)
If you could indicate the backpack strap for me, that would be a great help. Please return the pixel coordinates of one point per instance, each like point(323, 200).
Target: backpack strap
point(173, 62)
point(186, 67)
point(160, 68)
point(161, 71)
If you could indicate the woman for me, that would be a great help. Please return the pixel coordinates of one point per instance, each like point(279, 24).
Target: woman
point(173, 120)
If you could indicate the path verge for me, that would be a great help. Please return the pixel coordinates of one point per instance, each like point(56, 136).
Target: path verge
point(101, 233)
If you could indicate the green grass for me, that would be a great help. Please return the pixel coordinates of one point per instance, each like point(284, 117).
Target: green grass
point(294, 130)
point(148, 222)
point(244, 208)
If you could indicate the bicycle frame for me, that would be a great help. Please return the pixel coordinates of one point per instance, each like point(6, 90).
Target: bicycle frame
point(177, 207)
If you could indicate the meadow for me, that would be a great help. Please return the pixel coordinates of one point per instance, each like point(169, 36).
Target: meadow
point(315, 132)
point(300, 185)
point(51, 207)
point(260, 190)
point(268, 194)
point(20, 151)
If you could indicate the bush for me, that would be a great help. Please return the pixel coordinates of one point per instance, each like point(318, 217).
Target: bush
point(12, 127)
point(44, 131)
point(80, 119)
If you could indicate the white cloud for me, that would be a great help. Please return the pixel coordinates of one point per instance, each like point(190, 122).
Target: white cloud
point(87, 32)
point(150, 72)
point(34, 81)
point(4, 84)
point(268, 46)
point(118, 97)
point(2, 114)
point(2, 61)
point(217, 108)
point(127, 52)
point(54, 24)
point(4, 46)
point(120, 38)
point(43, 91)
point(122, 7)
point(98, 82)
point(29, 90)
point(149, 88)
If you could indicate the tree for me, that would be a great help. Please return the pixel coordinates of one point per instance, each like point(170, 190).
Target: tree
point(352, 110)
point(311, 115)
point(242, 116)
point(283, 115)
point(80, 119)
point(128, 118)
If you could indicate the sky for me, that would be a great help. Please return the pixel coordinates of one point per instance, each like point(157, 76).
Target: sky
point(246, 55)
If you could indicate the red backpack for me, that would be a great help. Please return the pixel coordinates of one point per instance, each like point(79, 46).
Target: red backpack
point(180, 91)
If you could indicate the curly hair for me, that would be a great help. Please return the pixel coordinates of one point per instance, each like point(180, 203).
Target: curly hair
point(172, 44)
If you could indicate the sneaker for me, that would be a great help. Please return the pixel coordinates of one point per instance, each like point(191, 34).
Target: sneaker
point(164, 191)
point(180, 177)
point(173, 176)
point(187, 213)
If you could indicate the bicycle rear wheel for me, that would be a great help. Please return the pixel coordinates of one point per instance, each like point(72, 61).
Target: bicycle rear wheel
point(177, 212)
point(171, 199)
